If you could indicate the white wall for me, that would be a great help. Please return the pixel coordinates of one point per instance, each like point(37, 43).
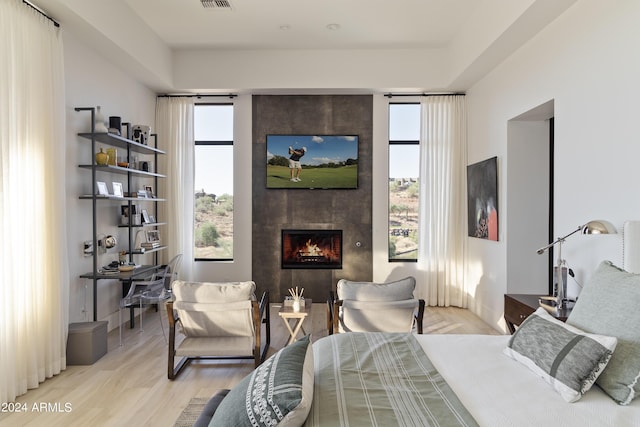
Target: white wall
point(587, 63)
point(91, 81)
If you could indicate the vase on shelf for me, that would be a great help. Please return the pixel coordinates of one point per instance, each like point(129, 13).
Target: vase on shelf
point(102, 158)
point(99, 125)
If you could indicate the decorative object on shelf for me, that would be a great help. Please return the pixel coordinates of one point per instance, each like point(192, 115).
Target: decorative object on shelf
point(141, 194)
point(153, 240)
point(560, 270)
point(117, 189)
point(145, 166)
point(141, 134)
point(296, 298)
point(122, 257)
point(145, 216)
point(109, 242)
point(102, 188)
point(149, 190)
point(115, 125)
point(113, 153)
point(125, 211)
point(98, 125)
point(102, 158)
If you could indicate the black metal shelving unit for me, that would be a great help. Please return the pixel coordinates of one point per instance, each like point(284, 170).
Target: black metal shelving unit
point(131, 147)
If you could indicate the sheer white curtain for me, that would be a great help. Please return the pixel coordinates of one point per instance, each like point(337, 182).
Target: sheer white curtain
point(174, 124)
point(443, 192)
point(34, 300)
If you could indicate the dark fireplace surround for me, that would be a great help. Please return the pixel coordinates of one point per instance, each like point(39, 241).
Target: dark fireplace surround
point(340, 209)
point(311, 249)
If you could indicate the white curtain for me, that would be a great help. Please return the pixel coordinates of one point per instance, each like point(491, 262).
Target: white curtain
point(174, 124)
point(34, 300)
point(443, 161)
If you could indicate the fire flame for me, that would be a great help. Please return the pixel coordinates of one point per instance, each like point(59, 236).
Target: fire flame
point(310, 249)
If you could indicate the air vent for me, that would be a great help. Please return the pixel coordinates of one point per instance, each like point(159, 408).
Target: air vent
point(216, 4)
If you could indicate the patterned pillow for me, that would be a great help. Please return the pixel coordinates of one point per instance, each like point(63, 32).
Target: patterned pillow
point(565, 357)
point(277, 393)
point(608, 305)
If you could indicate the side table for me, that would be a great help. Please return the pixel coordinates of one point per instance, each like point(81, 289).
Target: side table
point(286, 313)
point(518, 307)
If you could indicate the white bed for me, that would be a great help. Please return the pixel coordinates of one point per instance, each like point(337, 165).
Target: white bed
point(500, 392)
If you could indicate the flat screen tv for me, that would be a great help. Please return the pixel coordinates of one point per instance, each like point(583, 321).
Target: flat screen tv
point(312, 161)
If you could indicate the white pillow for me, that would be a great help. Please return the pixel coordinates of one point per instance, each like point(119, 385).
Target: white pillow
point(567, 358)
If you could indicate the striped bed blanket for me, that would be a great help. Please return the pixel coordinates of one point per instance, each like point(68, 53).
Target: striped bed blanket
point(380, 379)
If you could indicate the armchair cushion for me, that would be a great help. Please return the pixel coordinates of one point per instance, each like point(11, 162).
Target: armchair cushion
point(369, 291)
point(214, 292)
point(278, 392)
point(208, 309)
point(367, 316)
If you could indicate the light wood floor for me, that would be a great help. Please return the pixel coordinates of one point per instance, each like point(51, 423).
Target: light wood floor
point(129, 387)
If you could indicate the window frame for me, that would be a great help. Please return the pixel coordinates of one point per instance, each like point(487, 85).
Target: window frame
point(404, 142)
point(197, 143)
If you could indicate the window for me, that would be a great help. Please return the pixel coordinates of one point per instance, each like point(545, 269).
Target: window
point(404, 173)
point(213, 181)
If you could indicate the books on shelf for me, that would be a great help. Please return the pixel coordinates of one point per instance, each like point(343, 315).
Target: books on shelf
point(150, 245)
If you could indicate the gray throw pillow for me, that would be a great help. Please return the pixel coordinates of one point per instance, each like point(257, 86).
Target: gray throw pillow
point(277, 393)
point(565, 357)
point(609, 304)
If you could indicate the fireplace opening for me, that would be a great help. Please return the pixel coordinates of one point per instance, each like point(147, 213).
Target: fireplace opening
point(312, 249)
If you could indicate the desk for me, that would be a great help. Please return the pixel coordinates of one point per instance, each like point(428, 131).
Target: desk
point(125, 277)
point(286, 313)
point(518, 307)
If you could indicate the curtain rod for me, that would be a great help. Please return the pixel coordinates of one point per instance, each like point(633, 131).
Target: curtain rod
point(198, 95)
point(391, 95)
point(55, 23)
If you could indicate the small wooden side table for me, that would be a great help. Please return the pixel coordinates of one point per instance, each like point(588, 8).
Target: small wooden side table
point(518, 307)
point(286, 313)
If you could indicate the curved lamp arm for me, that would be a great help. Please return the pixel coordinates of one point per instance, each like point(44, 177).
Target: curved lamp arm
point(592, 227)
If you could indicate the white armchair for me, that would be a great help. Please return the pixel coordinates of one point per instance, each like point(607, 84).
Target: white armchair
point(376, 307)
point(218, 320)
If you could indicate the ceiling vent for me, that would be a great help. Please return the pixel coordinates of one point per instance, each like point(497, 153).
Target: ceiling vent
point(216, 4)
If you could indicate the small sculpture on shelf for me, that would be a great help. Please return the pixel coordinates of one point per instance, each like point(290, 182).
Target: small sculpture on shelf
point(99, 125)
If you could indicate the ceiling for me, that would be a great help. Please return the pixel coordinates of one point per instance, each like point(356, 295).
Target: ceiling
point(305, 24)
point(269, 46)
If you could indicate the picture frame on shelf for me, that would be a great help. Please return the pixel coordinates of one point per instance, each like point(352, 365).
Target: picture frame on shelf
point(146, 218)
point(102, 188)
point(149, 190)
point(117, 189)
point(153, 236)
point(152, 219)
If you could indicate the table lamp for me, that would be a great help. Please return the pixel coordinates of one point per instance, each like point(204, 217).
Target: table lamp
point(592, 227)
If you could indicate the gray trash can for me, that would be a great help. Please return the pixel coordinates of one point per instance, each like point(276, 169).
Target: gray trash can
point(87, 342)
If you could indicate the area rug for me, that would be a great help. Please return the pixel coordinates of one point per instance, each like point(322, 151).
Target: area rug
point(190, 414)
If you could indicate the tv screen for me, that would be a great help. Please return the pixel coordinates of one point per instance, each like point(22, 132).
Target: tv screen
point(312, 161)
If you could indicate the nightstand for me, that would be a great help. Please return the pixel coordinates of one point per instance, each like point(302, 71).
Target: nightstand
point(518, 307)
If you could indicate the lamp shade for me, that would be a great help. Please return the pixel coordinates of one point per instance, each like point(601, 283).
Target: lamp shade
point(598, 227)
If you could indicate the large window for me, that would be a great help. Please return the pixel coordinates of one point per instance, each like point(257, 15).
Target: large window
point(404, 174)
point(213, 129)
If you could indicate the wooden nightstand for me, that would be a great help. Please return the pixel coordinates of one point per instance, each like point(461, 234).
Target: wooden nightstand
point(518, 307)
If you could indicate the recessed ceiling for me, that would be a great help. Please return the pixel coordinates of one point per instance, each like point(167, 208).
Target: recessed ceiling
point(305, 24)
